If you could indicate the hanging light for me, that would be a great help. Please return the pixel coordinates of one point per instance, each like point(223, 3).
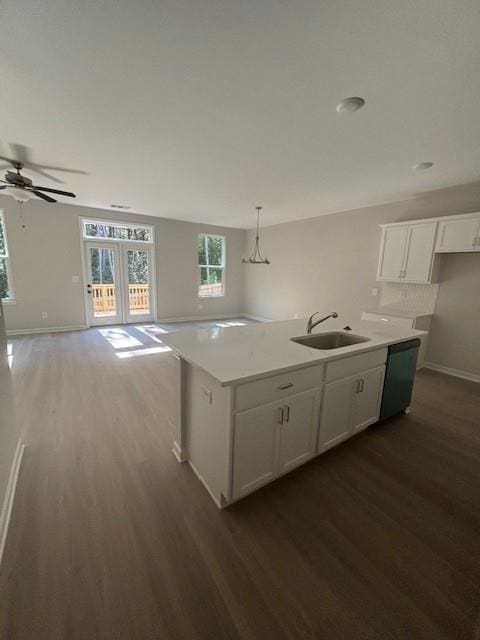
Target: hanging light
point(256, 257)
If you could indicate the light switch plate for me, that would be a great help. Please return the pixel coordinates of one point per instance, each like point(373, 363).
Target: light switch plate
point(76, 279)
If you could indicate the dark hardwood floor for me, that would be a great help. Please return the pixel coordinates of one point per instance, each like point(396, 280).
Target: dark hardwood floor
point(112, 539)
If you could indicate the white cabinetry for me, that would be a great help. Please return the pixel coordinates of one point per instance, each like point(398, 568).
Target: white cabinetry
point(272, 439)
point(350, 405)
point(392, 253)
point(407, 252)
point(459, 235)
point(299, 430)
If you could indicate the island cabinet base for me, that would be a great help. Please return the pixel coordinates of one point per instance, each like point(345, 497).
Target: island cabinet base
point(238, 438)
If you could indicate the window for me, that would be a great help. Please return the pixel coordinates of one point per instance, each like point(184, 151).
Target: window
point(6, 290)
point(124, 232)
point(211, 265)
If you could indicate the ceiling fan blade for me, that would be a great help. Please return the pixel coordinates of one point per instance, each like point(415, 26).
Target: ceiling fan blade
point(61, 193)
point(49, 168)
point(44, 196)
point(31, 167)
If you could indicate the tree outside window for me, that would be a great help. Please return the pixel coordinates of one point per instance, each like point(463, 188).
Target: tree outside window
point(211, 264)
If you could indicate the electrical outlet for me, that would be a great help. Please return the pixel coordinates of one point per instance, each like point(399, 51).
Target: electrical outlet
point(295, 316)
point(200, 306)
point(404, 293)
point(44, 315)
point(375, 291)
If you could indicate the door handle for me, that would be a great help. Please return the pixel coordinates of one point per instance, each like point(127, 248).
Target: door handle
point(280, 415)
point(286, 413)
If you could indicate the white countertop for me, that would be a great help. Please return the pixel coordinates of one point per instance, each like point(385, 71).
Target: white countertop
point(239, 354)
point(400, 310)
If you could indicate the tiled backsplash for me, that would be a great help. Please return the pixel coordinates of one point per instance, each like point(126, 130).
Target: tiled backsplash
point(416, 296)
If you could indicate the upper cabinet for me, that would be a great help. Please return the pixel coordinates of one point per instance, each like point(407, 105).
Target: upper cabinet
point(459, 235)
point(407, 249)
point(407, 252)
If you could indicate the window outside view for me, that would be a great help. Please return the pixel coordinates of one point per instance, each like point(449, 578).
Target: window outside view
point(211, 262)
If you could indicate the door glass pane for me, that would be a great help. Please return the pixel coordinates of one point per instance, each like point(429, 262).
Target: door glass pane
point(138, 282)
point(104, 296)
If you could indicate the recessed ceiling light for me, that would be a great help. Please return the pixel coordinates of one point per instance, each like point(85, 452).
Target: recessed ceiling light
point(120, 206)
point(422, 166)
point(350, 105)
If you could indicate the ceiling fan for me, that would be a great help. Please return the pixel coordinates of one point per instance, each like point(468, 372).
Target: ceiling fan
point(22, 188)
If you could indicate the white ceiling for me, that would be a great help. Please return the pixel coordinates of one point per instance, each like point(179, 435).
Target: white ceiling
point(201, 109)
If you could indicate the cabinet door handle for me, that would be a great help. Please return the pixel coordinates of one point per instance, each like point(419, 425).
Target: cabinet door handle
point(286, 413)
point(362, 383)
point(356, 386)
point(285, 386)
point(280, 415)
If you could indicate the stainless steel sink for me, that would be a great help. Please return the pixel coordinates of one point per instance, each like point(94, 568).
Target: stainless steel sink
point(331, 340)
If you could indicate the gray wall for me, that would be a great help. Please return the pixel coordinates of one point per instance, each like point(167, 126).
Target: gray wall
point(329, 263)
point(455, 330)
point(9, 429)
point(46, 254)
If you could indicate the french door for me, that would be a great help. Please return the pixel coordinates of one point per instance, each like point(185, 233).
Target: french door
point(119, 282)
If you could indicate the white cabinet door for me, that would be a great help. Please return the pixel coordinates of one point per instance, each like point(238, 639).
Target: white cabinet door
point(392, 253)
point(420, 253)
point(335, 416)
point(459, 235)
point(367, 398)
point(298, 433)
point(255, 453)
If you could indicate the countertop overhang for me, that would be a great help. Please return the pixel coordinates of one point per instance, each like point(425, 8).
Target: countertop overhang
point(234, 355)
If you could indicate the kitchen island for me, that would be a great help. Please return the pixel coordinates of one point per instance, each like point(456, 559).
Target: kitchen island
point(252, 404)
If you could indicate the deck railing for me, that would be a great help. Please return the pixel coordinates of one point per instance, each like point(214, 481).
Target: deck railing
point(105, 299)
point(215, 289)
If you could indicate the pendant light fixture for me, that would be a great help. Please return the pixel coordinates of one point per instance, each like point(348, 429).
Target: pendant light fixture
point(256, 257)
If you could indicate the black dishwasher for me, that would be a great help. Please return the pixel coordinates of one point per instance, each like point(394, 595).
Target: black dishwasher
point(399, 377)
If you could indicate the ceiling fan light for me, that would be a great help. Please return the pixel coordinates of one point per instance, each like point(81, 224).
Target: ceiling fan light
point(20, 195)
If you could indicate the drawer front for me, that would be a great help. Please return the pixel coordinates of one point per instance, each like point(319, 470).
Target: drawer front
point(399, 322)
point(258, 392)
point(351, 365)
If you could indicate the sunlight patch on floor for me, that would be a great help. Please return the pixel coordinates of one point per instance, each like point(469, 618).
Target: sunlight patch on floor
point(119, 338)
point(151, 331)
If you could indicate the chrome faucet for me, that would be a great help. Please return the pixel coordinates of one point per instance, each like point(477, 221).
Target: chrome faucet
point(311, 324)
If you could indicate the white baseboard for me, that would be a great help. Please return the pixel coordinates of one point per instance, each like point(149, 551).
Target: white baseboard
point(178, 453)
point(24, 332)
point(10, 495)
point(458, 373)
